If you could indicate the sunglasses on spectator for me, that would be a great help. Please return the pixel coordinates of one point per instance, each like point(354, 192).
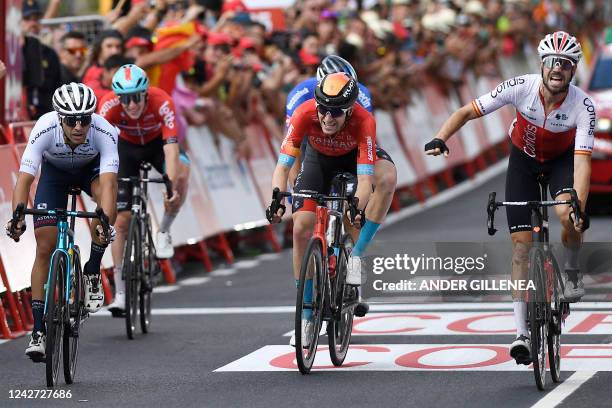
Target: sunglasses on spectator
point(334, 112)
point(71, 121)
point(127, 98)
point(552, 61)
point(75, 51)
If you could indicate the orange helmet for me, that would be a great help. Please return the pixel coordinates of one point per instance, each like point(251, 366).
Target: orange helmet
point(336, 90)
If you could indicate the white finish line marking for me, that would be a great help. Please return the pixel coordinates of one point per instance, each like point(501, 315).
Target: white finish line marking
point(246, 264)
point(421, 357)
point(223, 272)
point(562, 391)
point(468, 323)
point(194, 281)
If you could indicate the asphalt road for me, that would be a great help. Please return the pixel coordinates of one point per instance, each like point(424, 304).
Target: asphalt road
point(216, 338)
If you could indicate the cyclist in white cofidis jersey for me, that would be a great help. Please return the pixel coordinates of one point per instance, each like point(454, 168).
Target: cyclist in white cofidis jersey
point(74, 147)
point(551, 135)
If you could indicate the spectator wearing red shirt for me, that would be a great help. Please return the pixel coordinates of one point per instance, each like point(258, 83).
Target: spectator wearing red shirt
point(102, 85)
point(108, 42)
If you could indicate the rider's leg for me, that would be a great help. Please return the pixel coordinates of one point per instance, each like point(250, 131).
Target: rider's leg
point(521, 243)
point(45, 244)
point(572, 241)
point(181, 187)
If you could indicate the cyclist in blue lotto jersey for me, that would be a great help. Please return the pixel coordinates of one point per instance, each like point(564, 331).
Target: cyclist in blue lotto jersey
point(385, 173)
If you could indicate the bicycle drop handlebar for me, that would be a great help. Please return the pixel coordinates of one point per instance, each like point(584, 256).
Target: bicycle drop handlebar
point(21, 211)
point(493, 205)
point(321, 199)
point(161, 180)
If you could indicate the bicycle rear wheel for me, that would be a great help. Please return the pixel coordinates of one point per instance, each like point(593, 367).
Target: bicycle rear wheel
point(340, 326)
point(312, 266)
point(149, 263)
point(131, 273)
point(538, 316)
point(554, 331)
point(54, 317)
point(76, 312)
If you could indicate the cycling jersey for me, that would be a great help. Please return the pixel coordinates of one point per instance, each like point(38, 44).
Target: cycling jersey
point(305, 91)
point(359, 132)
point(541, 136)
point(157, 119)
point(47, 141)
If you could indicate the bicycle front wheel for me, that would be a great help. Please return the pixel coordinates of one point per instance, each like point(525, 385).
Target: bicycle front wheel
point(76, 311)
point(556, 320)
point(149, 265)
point(341, 325)
point(131, 273)
point(54, 317)
point(306, 343)
point(538, 315)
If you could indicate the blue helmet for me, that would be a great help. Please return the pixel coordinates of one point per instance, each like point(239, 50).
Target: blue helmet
point(129, 79)
point(332, 64)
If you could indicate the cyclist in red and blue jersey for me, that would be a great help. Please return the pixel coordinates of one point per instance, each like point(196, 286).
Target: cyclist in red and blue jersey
point(551, 135)
point(340, 136)
point(385, 173)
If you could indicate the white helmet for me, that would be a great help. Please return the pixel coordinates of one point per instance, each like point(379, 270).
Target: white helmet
point(74, 100)
point(562, 44)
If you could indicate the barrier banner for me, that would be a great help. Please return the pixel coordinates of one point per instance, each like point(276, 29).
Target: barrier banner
point(387, 139)
point(17, 266)
point(419, 130)
point(413, 155)
point(261, 162)
point(226, 179)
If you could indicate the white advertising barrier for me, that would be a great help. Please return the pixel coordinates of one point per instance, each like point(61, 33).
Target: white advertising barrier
point(195, 220)
point(419, 129)
point(439, 109)
point(387, 139)
point(17, 257)
point(227, 180)
point(261, 161)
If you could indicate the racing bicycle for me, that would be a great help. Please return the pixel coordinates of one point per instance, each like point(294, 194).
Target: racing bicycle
point(325, 261)
point(65, 289)
point(140, 264)
point(546, 309)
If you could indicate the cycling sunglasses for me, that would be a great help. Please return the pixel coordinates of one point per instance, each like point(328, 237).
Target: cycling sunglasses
point(76, 51)
point(334, 112)
point(552, 61)
point(71, 121)
point(125, 99)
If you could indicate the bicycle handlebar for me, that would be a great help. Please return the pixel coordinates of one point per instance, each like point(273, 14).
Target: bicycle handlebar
point(161, 180)
point(21, 211)
point(493, 205)
point(353, 201)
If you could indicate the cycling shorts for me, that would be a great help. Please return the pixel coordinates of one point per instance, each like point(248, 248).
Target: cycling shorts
point(318, 170)
point(52, 189)
point(130, 157)
point(522, 183)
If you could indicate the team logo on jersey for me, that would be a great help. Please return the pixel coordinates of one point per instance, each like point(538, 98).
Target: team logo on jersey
point(167, 114)
point(505, 85)
point(108, 105)
point(370, 149)
point(41, 206)
point(296, 97)
point(591, 109)
point(561, 116)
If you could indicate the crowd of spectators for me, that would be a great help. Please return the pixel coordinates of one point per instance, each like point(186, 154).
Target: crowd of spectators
point(226, 69)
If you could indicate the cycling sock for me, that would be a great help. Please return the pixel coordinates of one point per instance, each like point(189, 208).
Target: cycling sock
point(520, 317)
point(92, 267)
point(306, 313)
point(38, 313)
point(571, 257)
point(119, 283)
point(167, 221)
point(365, 236)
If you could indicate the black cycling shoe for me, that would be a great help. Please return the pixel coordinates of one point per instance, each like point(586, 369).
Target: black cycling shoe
point(362, 309)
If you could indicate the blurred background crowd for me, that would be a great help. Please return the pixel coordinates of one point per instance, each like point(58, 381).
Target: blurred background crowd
point(224, 68)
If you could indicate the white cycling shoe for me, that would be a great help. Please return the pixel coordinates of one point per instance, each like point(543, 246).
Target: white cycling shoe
point(36, 347)
point(520, 350)
point(94, 295)
point(307, 327)
point(353, 271)
point(163, 246)
point(117, 307)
